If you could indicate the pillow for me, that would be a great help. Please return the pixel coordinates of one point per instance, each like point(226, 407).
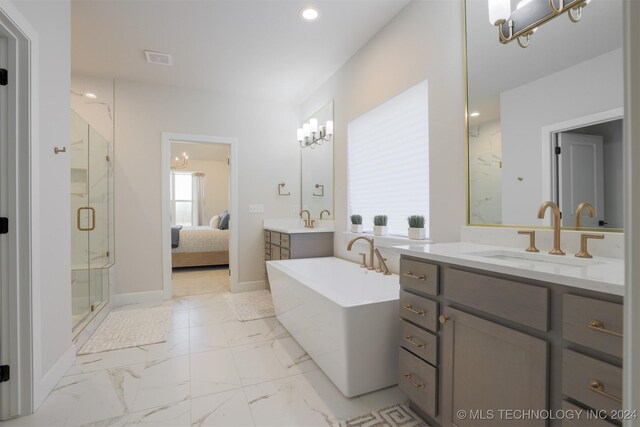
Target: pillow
point(215, 222)
point(224, 220)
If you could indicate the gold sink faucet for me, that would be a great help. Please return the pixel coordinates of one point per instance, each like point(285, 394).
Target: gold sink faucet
point(581, 207)
point(327, 211)
point(307, 222)
point(556, 225)
point(371, 250)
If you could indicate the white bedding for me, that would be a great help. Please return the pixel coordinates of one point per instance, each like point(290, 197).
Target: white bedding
point(202, 239)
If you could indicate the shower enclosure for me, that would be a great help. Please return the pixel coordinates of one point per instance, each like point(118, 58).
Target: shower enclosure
point(91, 221)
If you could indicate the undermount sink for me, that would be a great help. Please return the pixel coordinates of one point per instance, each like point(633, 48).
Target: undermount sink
point(538, 258)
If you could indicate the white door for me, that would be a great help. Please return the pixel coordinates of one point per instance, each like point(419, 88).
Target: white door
point(581, 177)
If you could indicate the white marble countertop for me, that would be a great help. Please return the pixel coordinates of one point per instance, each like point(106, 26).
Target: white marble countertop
point(296, 226)
point(603, 275)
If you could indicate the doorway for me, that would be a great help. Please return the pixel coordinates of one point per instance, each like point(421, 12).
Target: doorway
point(199, 207)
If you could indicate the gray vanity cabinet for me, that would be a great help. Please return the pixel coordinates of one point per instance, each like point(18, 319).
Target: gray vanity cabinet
point(487, 367)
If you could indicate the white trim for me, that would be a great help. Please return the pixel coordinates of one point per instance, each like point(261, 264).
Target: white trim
point(167, 137)
point(547, 143)
point(57, 371)
point(119, 300)
point(24, 314)
point(258, 285)
point(631, 173)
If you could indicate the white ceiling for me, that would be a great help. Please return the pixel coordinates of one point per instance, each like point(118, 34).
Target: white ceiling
point(558, 44)
point(200, 151)
point(258, 49)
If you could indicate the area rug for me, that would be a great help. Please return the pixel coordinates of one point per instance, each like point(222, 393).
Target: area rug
point(393, 416)
point(250, 305)
point(129, 328)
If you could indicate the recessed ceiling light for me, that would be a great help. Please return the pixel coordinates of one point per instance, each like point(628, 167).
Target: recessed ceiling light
point(309, 14)
point(474, 114)
point(90, 95)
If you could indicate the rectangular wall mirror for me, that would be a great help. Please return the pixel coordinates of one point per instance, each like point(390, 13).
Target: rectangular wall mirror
point(545, 121)
point(317, 170)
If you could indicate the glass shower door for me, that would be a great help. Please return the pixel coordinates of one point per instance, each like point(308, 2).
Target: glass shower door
point(80, 219)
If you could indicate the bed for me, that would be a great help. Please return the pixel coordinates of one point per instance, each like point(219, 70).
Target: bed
point(201, 246)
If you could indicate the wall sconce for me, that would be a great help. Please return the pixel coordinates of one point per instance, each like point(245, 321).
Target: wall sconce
point(312, 135)
point(178, 163)
point(528, 16)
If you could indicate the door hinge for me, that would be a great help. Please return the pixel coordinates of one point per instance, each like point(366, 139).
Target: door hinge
point(4, 225)
point(4, 77)
point(5, 373)
point(558, 150)
point(108, 158)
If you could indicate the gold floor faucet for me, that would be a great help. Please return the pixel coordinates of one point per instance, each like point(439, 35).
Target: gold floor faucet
point(581, 207)
point(371, 250)
point(556, 225)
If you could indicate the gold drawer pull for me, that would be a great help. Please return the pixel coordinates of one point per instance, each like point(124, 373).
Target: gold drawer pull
point(597, 387)
point(597, 325)
point(410, 340)
point(413, 276)
point(413, 383)
point(408, 307)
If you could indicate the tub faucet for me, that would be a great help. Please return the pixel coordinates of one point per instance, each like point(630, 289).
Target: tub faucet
point(307, 222)
point(327, 211)
point(383, 265)
point(371, 250)
point(556, 225)
point(581, 207)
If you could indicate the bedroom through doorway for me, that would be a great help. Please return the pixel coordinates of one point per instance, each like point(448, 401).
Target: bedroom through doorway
point(199, 212)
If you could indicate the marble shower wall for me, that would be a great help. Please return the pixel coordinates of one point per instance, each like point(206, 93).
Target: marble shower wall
point(485, 173)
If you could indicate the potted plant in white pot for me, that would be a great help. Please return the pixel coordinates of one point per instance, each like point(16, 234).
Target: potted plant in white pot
point(356, 223)
point(416, 227)
point(380, 225)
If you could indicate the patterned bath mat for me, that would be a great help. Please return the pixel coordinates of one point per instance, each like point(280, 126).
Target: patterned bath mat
point(250, 305)
point(393, 416)
point(129, 328)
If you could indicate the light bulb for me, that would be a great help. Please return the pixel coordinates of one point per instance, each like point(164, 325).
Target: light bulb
point(329, 127)
point(313, 124)
point(499, 9)
point(306, 130)
point(300, 135)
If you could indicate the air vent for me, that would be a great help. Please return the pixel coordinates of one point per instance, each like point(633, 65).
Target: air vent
point(157, 57)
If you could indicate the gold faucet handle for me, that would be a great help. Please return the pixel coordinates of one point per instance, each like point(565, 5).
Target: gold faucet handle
point(584, 242)
point(532, 240)
point(312, 223)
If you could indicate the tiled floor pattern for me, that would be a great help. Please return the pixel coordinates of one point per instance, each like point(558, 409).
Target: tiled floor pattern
point(213, 371)
point(200, 280)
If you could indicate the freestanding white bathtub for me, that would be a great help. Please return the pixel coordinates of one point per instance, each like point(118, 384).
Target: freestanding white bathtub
point(344, 316)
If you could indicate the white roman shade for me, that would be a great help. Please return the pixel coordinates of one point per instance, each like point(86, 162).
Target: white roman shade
point(388, 161)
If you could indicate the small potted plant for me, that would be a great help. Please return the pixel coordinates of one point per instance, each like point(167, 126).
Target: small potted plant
point(356, 223)
point(380, 225)
point(416, 227)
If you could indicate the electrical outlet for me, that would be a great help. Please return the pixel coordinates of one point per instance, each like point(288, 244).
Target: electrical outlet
point(256, 209)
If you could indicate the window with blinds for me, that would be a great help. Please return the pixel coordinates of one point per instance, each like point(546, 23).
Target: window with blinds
point(388, 161)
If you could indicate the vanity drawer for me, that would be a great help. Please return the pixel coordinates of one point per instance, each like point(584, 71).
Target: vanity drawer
point(581, 374)
point(275, 252)
point(419, 310)
point(592, 323)
point(515, 301)
point(275, 238)
point(267, 256)
point(284, 253)
point(284, 240)
point(267, 236)
point(583, 420)
point(418, 380)
point(419, 342)
point(267, 247)
point(420, 276)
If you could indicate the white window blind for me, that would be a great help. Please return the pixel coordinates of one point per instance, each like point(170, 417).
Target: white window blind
point(388, 161)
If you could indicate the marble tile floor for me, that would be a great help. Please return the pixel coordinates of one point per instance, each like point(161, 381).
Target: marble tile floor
point(200, 280)
point(213, 371)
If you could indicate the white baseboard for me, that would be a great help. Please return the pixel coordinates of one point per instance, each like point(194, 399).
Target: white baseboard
point(258, 285)
point(53, 376)
point(137, 297)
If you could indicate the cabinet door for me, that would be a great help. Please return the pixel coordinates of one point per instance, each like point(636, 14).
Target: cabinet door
point(488, 369)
